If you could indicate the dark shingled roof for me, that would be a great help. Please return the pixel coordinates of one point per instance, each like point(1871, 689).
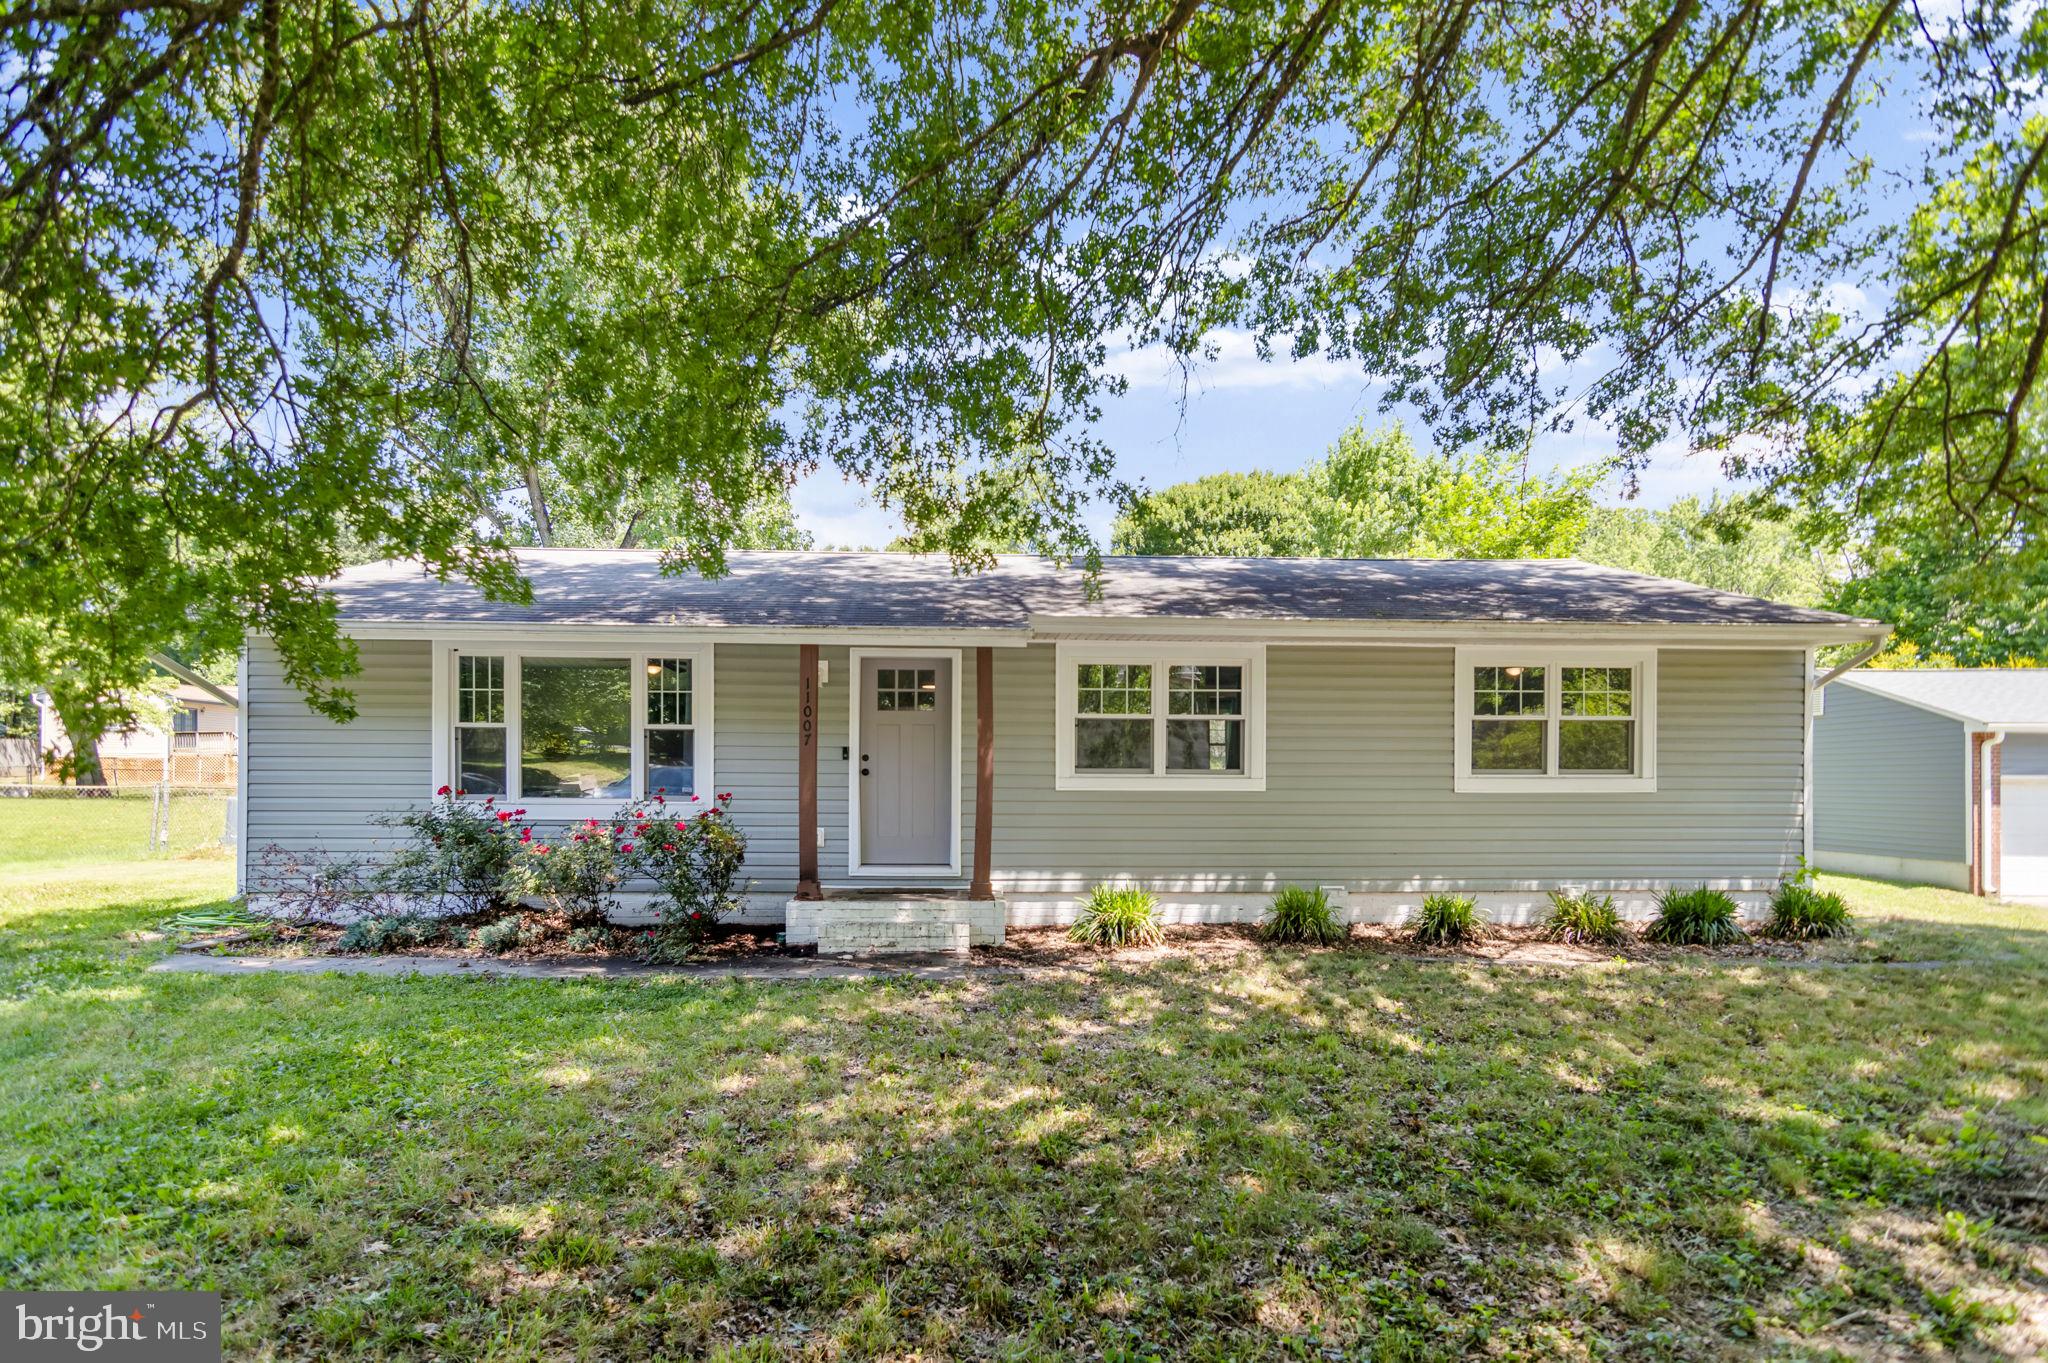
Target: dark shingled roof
point(901, 591)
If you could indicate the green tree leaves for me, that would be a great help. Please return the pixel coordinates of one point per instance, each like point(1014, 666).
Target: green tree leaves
point(283, 280)
point(1373, 496)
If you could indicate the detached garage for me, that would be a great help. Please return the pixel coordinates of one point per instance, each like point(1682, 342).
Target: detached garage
point(1938, 776)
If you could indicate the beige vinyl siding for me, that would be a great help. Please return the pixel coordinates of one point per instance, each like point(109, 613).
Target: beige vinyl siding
point(1890, 780)
point(1358, 789)
point(1358, 779)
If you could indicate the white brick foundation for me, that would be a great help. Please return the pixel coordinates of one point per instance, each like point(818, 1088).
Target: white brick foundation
point(838, 926)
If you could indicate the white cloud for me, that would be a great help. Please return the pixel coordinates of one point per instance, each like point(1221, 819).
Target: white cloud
point(1232, 362)
point(838, 511)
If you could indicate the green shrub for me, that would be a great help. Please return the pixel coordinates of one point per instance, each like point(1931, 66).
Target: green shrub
point(391, 932)
point(578, 875)
point(694, 860)
point(589, 939)
point(1302, 915)
point(1118, 917)
point(501, 936)
point(1801, 912)
point(1697, 917)
point(1582, 918)
point(1446, 919)
point(459, 853)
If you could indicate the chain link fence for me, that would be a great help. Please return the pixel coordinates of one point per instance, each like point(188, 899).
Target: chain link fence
point(50, 823)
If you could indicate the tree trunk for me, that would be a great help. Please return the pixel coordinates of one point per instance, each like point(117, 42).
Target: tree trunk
point(85, 764)
point(537, 501)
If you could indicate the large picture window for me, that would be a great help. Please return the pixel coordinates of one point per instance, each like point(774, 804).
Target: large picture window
point(1133, 717)
point(581, 728)
point(1559, 719)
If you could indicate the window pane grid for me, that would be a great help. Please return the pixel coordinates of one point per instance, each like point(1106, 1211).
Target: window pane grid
point(480, 690)
point(1195, 690)
point(1589, 729)
point(1598, 692)
point(906, 688)
point(1115, 689)
point(1507, 691)
point(668, 691)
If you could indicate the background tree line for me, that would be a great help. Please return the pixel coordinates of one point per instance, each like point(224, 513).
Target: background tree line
point(1375, 495)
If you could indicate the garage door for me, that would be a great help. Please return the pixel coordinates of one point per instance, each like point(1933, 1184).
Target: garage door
point(2024, 863)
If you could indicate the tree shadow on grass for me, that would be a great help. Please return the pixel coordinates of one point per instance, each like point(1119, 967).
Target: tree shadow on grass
point(1270, 1157)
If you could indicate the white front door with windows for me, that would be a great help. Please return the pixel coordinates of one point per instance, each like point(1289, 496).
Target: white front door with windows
point(905, 772)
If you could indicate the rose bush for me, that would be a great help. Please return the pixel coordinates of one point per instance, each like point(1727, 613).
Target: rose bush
point(460, 856)
point(578, 875)
point(693, 853)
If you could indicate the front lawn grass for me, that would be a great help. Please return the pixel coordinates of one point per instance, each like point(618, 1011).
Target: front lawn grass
point(1290, 1155)
point(58, 826)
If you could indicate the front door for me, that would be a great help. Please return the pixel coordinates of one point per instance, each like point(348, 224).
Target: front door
point(906, 765)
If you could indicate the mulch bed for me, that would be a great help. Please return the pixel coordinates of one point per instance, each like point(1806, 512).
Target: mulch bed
point(1223, 941)
point(729, 943)
point(1034, 947)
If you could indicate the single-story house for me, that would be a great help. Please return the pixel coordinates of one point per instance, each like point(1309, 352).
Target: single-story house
point(901, 740)
point(1936, 775)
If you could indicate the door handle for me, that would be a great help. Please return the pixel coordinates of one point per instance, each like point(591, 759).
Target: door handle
point(863, 771)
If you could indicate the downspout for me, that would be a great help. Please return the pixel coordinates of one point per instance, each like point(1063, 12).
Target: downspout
point(1990, 828)
point(1870, 651)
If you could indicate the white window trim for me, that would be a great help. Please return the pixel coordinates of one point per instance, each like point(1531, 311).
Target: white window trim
point(1552, 658)
point(1068, 658)
point(554, 806)
point(854, 865)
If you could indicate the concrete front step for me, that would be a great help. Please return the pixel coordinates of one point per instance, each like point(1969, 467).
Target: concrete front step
point(909, 924)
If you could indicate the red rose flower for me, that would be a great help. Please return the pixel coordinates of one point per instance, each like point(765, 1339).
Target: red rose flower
point(682, 827)
point(442, 791)
point(625, 847)
point(504, 815)
point(668, 847)
point(693, 799)
point(526, 835)
point(460, 793)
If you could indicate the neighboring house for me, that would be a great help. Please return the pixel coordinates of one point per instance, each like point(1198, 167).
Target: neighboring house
point(195, 745)
point(1211, 729)
point(1936, 775)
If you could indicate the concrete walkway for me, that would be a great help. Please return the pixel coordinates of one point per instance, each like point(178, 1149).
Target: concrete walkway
point(777, 969)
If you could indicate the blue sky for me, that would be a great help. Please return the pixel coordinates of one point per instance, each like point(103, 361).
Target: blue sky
point(1241, 413)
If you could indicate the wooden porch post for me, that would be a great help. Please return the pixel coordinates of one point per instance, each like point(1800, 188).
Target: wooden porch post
point(807, 886)
point(984, 770)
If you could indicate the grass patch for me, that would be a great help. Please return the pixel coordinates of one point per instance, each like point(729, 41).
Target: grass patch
point(1281, 1155)
point(58, 827)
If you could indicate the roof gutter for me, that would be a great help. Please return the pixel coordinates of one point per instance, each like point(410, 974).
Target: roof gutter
point(1863, 656)
point(191, 678)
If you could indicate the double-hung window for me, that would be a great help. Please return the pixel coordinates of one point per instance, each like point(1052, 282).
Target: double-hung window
point(1549, 718)
point(573, 730)
point(1133, 717)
